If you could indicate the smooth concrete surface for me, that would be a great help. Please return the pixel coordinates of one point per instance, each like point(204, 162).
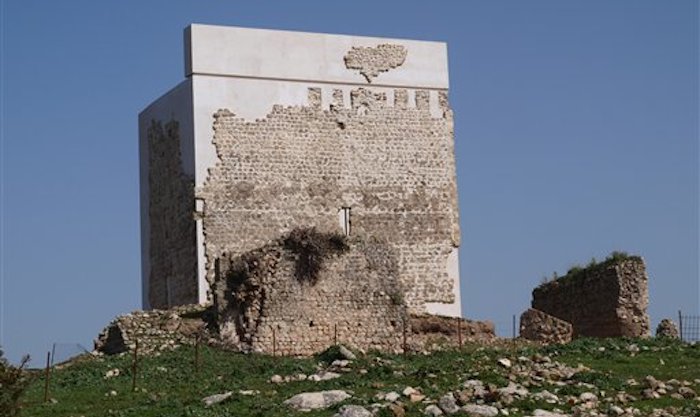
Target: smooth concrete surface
point(301, 56)
point(453, 309)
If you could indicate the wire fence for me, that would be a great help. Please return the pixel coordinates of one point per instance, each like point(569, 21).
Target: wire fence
point(689, 327)
point(63, 352)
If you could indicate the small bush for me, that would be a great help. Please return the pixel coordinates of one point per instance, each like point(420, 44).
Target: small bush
point(13, 383)
point(312, 249)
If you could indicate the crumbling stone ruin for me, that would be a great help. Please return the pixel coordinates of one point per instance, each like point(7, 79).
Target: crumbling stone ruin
point(667, 328)
point(274, 133)
point(607, 299)
point(155, 330)
point(541, 327)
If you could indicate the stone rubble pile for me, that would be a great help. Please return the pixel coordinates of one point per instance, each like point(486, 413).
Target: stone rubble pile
point(667, 328)
point(155, 330)
point(535, 378)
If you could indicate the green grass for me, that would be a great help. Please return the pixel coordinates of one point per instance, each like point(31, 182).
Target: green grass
point(167, 385)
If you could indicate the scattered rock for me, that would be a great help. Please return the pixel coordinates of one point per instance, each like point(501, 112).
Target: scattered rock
point(476, 410)
point(433, 410)
point(397, 409)
point(216, 398)
point(545, 413)
point(353, 411)
point(448, 404)
point(506, 363)
point(316, 400)
point(323, 376)
point(346, 353)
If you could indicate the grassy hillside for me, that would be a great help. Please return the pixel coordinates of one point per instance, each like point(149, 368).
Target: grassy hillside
point(170, 385)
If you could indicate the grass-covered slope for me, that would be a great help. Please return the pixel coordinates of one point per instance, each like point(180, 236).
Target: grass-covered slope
point(168, 384)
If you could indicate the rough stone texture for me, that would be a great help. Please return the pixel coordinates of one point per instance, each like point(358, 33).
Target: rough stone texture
point(356, 294)
point(667, 328)
point(607, 300)
point(155, 330)
point(373, 61)
point(173, 252)
point(541, 327)
point(307, 401)
point(429, 332)
point(393, 166)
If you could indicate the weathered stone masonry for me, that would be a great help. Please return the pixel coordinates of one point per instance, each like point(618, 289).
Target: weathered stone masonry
point(607, 300)
point(172, 239)
point(390, 164)
point(278, 131)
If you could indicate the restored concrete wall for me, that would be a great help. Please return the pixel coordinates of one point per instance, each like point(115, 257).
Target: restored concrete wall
point(167, 166)
point(300, 140)
point(607, 300)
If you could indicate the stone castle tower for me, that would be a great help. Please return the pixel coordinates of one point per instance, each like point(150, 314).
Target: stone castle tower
point(275, 130)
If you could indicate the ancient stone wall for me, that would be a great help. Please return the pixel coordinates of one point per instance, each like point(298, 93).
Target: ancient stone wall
point(542, 327)
point(606, 300)
point(173, 254)
point(384, 162)
point(356, 299)
point(155, 330)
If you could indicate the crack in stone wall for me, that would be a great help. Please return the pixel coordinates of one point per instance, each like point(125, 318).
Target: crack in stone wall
point(173, 256)
point(391, 163)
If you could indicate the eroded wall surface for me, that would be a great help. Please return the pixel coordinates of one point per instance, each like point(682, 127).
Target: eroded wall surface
point(390, 162)
point(172, 240)
point(608, 300)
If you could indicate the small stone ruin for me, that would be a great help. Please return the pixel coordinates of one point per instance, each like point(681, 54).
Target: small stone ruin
point(667, 328)
point(606, 299)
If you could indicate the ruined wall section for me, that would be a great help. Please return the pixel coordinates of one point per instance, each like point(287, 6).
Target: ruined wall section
point(388, 158)
point(173, 254)
point(356, 301)
point(607, 300)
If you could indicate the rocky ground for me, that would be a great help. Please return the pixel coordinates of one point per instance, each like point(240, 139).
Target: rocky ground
point(613, 377)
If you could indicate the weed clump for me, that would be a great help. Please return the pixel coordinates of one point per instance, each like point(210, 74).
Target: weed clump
point(312, 249)
point(577, 271)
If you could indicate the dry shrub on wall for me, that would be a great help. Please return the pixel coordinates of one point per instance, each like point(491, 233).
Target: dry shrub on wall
point(312, 249)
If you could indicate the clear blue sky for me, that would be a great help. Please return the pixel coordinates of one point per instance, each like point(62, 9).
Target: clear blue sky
point(576, 134)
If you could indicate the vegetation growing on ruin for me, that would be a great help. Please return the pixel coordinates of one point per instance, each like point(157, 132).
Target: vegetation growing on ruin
point(578, 271)
point(312, 248)
point(171, 385)
point(13, 382)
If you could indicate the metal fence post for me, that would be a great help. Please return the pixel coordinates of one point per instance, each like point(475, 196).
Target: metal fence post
point(48, 376)
point(680, 324)
point(134, 366)
point(196, 355)
point(459, 332)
